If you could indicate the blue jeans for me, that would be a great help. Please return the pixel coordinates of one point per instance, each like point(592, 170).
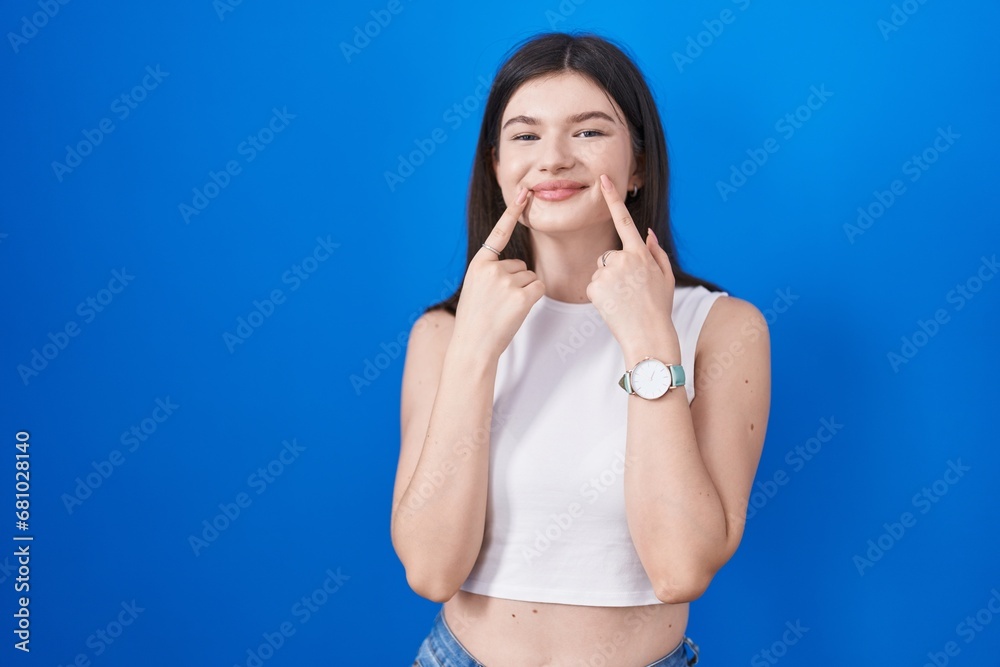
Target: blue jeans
point(442, 649)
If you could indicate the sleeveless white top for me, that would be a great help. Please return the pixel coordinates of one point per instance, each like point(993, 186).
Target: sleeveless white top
point(556, 528)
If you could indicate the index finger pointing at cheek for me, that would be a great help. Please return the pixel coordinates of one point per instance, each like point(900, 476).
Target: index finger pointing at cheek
point(502, 231)
point(631, 239)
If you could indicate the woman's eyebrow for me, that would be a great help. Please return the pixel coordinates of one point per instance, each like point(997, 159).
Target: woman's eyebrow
point(577, 118)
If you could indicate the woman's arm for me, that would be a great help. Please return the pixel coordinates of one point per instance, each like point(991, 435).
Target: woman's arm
point(691, 468)
point(439, 500)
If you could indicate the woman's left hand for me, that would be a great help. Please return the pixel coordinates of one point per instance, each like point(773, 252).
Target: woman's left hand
point(635, 291)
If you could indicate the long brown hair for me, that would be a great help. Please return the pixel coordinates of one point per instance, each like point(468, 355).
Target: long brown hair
point(609, 67)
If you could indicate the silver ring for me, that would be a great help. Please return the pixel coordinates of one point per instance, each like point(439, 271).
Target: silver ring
point(493, 249)
point(604, 257)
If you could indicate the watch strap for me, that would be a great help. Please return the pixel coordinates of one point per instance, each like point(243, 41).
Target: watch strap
point(677, 378)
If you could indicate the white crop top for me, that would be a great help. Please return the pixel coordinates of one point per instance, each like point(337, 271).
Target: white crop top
point(556, 528)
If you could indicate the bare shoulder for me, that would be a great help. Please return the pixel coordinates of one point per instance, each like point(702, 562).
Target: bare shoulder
point(732, 325)
point(432, 326)
point(430, 334)
point(429, 339)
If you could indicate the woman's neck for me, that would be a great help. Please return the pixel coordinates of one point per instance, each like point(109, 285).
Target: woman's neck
point(565, 261)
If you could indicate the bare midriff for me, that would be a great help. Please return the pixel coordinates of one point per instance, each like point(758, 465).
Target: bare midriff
point(501, 632)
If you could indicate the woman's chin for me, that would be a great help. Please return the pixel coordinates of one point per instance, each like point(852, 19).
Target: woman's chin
point(555, 222)
point(555, 229)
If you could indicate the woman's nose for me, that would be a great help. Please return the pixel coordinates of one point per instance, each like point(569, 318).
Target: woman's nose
point(556, 154)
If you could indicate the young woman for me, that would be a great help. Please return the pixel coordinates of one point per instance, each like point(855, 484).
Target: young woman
point(559, 488)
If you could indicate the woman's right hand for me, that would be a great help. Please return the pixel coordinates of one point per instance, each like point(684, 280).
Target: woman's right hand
point(497, 293)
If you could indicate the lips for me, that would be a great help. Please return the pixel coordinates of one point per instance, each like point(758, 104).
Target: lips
point(557, 190)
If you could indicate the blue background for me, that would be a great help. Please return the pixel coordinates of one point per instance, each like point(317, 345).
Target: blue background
point(226, 69)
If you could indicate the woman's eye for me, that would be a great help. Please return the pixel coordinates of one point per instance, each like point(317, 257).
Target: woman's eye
point(583, 132)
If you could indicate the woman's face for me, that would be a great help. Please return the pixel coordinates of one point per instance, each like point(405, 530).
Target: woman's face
point(563, 127)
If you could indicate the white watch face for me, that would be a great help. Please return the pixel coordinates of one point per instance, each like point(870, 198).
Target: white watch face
point(650, 378)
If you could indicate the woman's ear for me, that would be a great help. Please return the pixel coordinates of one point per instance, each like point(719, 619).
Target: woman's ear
point(640, 170)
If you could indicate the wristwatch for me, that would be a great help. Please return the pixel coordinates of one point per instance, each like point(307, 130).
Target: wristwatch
point(651, 378)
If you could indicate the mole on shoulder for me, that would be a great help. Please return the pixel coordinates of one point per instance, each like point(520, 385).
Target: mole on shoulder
point(534, 611)
point(513, 616)
point(751, 426)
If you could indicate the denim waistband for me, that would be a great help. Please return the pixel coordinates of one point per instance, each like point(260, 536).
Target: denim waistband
point(444, 646)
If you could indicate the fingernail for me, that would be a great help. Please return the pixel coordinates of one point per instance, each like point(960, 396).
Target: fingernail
point(606, 182)
point(522, 194)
